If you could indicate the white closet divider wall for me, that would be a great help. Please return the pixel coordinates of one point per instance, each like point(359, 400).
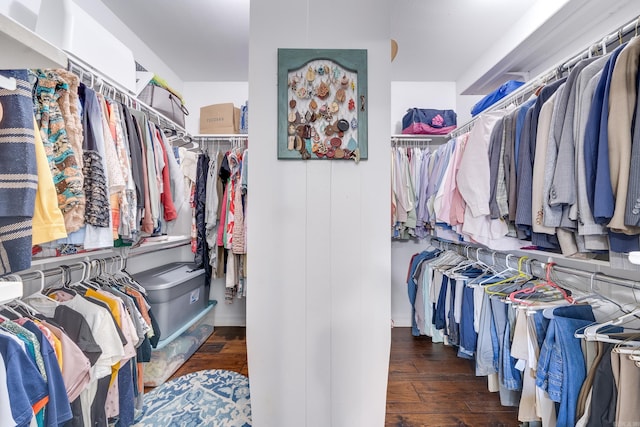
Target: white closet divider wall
point(318, 307)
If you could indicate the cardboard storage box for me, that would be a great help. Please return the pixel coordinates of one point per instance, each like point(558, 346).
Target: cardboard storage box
point(220, 119)
point(177, 294)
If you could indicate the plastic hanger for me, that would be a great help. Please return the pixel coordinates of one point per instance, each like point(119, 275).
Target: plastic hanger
point(519, 274)
point(11, 310)
point(591, 333)
point(629, 346)
point(516, 296)
point(40, 295)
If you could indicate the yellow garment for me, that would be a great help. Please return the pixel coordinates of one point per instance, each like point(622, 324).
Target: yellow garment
point(57, 348)
point(57, 344)
point(48, 222)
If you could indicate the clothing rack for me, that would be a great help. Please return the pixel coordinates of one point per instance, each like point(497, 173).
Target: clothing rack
point(108, 262)
point(97, 265)
point(532, 266)
point(239, 139)
point(520, 95)
point(410, 140)
point(226, 140)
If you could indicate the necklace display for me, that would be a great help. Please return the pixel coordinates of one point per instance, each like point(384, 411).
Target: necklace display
point(322, 118)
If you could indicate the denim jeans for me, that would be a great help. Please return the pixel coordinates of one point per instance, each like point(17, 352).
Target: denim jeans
point(429, 307)
point(484, 347)
point(541, 324)
point(561, 368)
point(412, 286)
point(499, 325)
point(453, 328)
point(440, 317)
point(511, 377)
point(468, 336)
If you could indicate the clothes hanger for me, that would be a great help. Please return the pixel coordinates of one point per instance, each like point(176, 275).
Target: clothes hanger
point(517, 296)
point(12, 311)
point(629, 346)
point(591, 333)
point(40, 294)
point(16, 301)
point(502, 273)
point(593, 330)
point(515, 280)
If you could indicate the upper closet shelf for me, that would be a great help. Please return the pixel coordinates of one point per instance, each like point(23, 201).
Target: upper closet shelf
point(22, 48)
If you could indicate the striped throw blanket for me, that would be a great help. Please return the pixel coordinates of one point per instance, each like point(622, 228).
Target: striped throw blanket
point(18, 173)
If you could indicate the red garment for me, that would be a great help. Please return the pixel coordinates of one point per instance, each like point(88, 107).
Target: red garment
point(170, 212)
point(147, 220)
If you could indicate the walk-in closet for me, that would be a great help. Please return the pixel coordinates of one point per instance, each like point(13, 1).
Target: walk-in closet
point(431, 218)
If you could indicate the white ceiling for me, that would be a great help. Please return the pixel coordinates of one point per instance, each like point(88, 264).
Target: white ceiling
point(200, 40)
point(208, 40)
point(439, 40)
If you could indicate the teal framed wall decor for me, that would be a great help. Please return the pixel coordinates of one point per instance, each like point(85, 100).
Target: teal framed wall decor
point(322, 104)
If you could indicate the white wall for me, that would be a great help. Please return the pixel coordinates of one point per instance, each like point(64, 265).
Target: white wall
point(464, 104)
point(405, 95)
point(23, 11)
point(26, 12)
point(318, 309)
point(200, 94)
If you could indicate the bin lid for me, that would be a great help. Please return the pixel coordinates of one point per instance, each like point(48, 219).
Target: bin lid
point(167, 276)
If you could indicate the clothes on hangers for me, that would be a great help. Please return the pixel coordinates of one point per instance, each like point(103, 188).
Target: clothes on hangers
point(219, 200)
point(113, 178)
point(554, 170)
point(531, 356)
point(77, 361)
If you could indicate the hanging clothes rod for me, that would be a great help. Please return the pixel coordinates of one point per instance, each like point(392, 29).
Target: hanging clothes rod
point(60, 270)
point(411, 140)
point(467, 251)
point(221, 138)
point(233, 140)
point(524, 92)
point(100, 83)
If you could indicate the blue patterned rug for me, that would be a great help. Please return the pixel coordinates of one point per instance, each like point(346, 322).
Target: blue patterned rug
point(214, 398)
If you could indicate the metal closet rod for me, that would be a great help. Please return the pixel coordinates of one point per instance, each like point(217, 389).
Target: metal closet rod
point(523, 92)
point(78, 266)
point(60, 270)
point(410, 140)
point(466, 250)
point(106, 86)
point(243, 138)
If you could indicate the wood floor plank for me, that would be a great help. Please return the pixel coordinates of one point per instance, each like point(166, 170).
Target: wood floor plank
point(451, 393)
point(428, 384)
point(448, 420)
point(402, 391)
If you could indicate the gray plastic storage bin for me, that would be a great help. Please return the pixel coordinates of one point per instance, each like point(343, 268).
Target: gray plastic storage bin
point(176, 293)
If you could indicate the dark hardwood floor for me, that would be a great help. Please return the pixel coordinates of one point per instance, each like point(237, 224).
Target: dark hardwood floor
point(428, 384)
point(226, 349)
